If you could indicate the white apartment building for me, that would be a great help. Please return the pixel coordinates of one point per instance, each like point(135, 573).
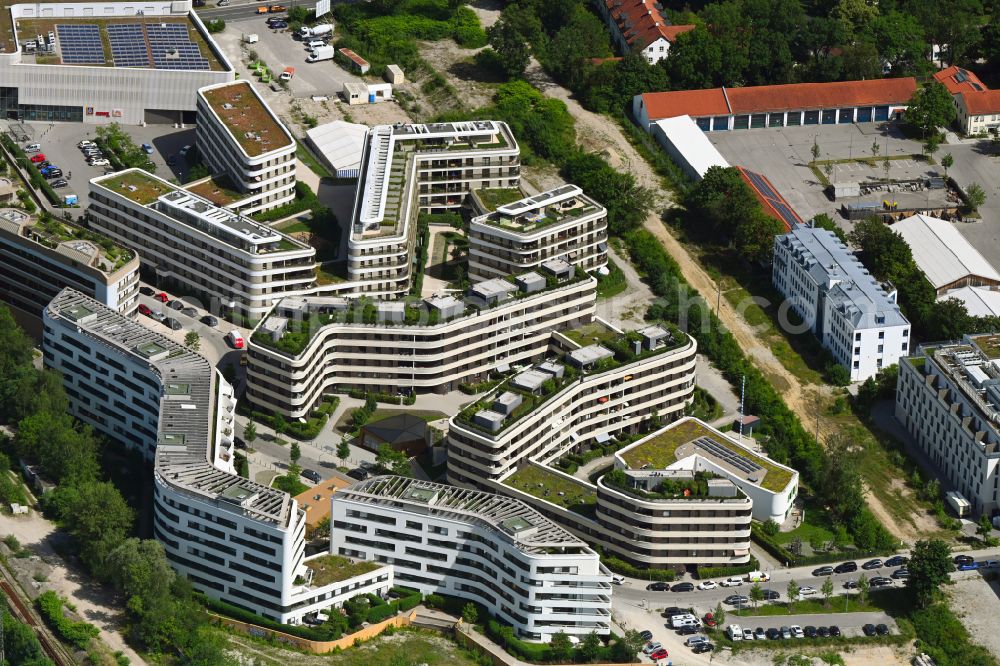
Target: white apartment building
point(232, 538)
point(639, 26)
point(240, 267)
point(412, 169)
point(315, 345)
point(529, 572)
point(562, 223)
point(39, 259)
point(946, 398)
point(95, 74)
point(249, 150)
point(589, 394)
point(854, 316)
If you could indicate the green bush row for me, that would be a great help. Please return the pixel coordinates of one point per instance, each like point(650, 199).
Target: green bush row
point(718, 572)
point(783, 555)
point(76, 633)
point(387, 398)
point(624, 568)
point(34, 175)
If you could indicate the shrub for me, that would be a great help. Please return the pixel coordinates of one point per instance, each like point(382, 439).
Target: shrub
point(76, 633)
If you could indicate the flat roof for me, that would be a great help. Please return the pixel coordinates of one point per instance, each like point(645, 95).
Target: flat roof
point(244, 113)
point(316, 500)
point(688, 139)
point(341, 143)
point(78, 245)
point(943, 254)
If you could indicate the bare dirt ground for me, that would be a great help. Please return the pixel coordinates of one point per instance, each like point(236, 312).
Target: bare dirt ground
point(977, 603)
point(94, 603)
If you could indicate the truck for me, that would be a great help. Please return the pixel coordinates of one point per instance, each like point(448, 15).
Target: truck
point(306, 32)
point(958, 503)
point(758, 577)
point(322, 53)
point(287, 74)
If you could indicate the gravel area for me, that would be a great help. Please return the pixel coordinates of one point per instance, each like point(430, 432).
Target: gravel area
point(977, 603)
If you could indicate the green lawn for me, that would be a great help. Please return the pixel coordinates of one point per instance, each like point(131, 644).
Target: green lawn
point(590, 334)
point(496, 197)
point(613, 283)
point(811, 606)
point(332, 568)
point(307, 158)
point(549, 486)
point(813, 527)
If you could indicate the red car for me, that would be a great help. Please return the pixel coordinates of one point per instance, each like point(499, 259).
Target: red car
point(659, 654)
point(38, 157)
point(162, 297)
point(144, 309)
point(709, 620)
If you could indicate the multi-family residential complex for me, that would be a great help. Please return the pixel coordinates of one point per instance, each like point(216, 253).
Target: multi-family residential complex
point(562, 223)
point(38, 258)
point(250, 152)
point(238, 266)
point(854, 316)
point(234, 539)
point(639, 26)
point(488, 548)
point(103, 62)
point(412, 169)
point(314, 345)
point(589, 392)
point(947, 398)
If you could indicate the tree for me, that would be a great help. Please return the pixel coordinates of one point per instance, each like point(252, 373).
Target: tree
point(628, 646)
point(590, 648)
point(250, 432)
point(560, 647)
point(279, 424)
point(343, 451)
point(816, 543)
point(976, 196)
point(719, 614)
point(932, 144)
point(985, 528)
point(295, 453)
point(815, 148)
point(793, 592)
point(947, 161)
point(512, 51)
point(391, 461)
point(930, 107)
point(97, 516)
point(470, 613)
point(875, 148)
point(771, 528)
point(827, 590)
point(192, 340)
point(756, 594)
point(357, 610)
point(863, 588)
point(755, 236)
point(929, 565)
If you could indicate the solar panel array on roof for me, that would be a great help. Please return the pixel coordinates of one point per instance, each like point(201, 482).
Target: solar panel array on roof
point(726, 454)
point(80, 44)
point(172, 48)
point(772, 198)
point(128, 45)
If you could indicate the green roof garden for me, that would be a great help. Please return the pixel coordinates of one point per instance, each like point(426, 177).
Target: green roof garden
point(137, 185)
point(546, 484)
point(334, 568)
point(495, 197)
point(238, 106)
point(52, 233)
point(988, 344)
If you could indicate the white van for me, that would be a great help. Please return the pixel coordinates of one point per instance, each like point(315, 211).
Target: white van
point(758, 577)
point(688, 622)
point(734, 632)
point(315, 44)
point(33, 148)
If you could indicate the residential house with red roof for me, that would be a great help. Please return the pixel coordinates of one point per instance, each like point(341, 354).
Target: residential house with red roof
point(977, 107)
point(639, 26)
point(838, 102)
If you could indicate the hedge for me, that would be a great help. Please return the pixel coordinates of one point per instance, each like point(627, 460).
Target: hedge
point(237, 613)
point(718, 572)
point(386, 398)
point(784, 555)
point(624, 568)
point(34, 175)
point(77, 633)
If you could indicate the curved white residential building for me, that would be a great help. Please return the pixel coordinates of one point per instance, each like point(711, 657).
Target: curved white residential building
point(244, 143)
point(592, 393)
point(311, 346)
point(562, 223)
point(488, 548)
point(234, 539)
point(239, 266)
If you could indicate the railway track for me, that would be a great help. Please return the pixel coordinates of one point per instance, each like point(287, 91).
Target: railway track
point(22, 611)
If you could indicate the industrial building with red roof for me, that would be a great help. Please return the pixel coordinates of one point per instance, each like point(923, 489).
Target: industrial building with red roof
point(717, 109)
point(639, 26)
point(977, 107)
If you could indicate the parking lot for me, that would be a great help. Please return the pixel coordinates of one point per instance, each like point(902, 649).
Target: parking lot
point(783, 155)
point(279, 49)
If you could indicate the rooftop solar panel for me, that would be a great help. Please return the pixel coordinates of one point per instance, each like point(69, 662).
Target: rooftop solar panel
point(80, 44)
point(128, 45)
point(737, 460)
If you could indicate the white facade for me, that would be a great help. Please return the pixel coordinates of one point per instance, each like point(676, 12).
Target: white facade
point(562, 223)
point(851, 314)
point(102, 94)
point(234, 539)
point(258, 156)
point(35, 265)
point(454, 340)
point(688, 146)
point(947, 398)
point(496, 551)
point(238, 265)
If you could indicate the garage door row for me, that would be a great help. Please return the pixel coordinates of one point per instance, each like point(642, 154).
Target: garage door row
point(860, 114)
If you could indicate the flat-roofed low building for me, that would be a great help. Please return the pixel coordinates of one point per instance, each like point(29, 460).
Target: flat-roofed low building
point(493, 550)
point(248, 149)
point(39, 258)
point(238, 266)
point(945, 256)
point(562, 223)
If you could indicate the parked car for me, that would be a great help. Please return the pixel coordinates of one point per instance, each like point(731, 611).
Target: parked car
point(797, 631)
point(846, 567)
point(748, 634)
point(971, 566)
point(901, 574)
point(734, 581)
point(879, 581)
point(834, 630)
point(773, 634)
point(100, 161)
point(823, 632)
point(147, 148)
point(223, 3)
point(279, 25)
point(896, 561)
point(172, 160)
point(262, 10)
point(209, 320)
point(959, 559)
point(147, 291)
point(652, 647)
point(687, 629)
point(872, 564)
point(736, 600)
point(810, 632)
point(806, 591)
point(771, 595)
point(882, 629)
point(176, 304)
point(186, 149)
point(709, 620)
point(38, 157)
point(616, 579)
point(682, 587)
point(659, 586)
point(312, 475)
point(156, 315)
point(759, 634)
point(359, 473)
point(172, 323)
point(646, 635)
point(239, 443)
point(869, 630)
point(144, 309)
point(86, 143)
point(54, 173)
point(850, 584)
point(702, 648)
point(274, 9)
point(33, 148)
point(707, 585)
point(786, 633)
point(823, 571)
point(659, 654)
point(60, 182)
point(670, 611)
point(42, 165)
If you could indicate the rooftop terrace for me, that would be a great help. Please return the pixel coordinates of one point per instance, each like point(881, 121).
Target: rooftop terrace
point(546, 484)
point(135, 184)
point(690, 436)
point(530, 214)
point(81, 245)
point(247, 117)
point(334, 568)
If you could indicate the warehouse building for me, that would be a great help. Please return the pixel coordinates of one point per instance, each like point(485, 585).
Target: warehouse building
point(687, 145)
point(339, 146)
point(944, 255)
point(107, 62)
point(720, 109)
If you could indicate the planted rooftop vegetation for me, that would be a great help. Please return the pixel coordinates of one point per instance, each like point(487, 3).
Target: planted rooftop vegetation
point(693, 488)
point(138, 186)
point(51, 232)
point(543, 483)
point(334, 568)
point(246, 117)
point(220, 191)
point(493, 198)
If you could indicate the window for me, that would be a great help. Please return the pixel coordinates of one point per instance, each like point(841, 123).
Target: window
point(857, 337)
point(904, 346)
point(857, 365)
point(881, 335)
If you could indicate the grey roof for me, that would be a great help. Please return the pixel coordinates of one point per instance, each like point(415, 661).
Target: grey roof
point(186, 433)
point(399, 428)
point(531, 380)
point(504, 515)
point(497, 287)
point(849, 286)
point(590, 354)
point(941, 252)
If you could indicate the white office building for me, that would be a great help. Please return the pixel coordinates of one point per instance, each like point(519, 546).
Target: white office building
point(854, 316)
point(315, 345)
point(562, 223)
point(947, 398)
point(102, 62)
point(497, 551)
point(238, 266)
point(232, 538)
point(249, 150)
point(38, 260)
